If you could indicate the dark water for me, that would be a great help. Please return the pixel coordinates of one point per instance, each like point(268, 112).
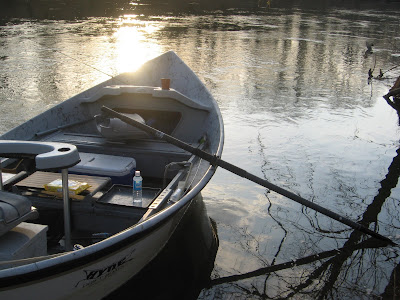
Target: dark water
point(292, 84)
point(183, 267)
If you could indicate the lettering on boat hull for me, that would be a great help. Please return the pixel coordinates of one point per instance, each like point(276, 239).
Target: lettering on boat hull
point(95, 275)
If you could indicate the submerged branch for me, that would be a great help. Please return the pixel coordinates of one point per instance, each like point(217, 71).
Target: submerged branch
point(368, 244)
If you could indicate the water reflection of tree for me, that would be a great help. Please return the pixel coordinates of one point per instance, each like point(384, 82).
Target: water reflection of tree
point(335, 266)
point(343, 269)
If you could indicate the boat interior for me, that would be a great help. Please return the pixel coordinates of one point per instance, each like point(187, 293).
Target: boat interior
point(110, 151)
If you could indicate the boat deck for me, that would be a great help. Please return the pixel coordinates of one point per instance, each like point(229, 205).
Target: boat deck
point(38, 179)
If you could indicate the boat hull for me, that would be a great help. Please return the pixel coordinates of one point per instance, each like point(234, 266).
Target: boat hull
point(98, 278)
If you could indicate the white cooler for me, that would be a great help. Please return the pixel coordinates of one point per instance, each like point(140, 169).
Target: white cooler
point(119, 168)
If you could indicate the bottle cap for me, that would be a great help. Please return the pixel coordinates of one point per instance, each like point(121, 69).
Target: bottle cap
point(137, 173)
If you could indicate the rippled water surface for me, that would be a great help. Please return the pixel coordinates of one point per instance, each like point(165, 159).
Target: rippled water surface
point(292, 85)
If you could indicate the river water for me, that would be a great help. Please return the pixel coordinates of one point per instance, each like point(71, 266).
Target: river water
point(299, 110)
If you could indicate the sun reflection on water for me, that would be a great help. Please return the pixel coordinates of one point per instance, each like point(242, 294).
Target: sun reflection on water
point(133, 43)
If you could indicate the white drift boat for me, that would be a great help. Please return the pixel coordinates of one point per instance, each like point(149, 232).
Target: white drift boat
point(59, 244)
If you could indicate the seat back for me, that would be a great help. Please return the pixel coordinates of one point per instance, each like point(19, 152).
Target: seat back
point(14, 209)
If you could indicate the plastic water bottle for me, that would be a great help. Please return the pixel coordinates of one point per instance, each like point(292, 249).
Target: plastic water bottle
point(137, 188)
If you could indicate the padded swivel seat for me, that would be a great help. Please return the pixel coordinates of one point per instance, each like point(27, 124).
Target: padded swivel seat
point(14, 209)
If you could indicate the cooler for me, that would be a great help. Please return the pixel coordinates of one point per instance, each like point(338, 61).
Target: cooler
point(119, 168)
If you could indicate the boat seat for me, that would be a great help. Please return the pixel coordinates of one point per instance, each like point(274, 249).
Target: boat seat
point(47, 155)
point(14, 209)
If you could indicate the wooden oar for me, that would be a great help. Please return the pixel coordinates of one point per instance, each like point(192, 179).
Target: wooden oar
point(216, 161)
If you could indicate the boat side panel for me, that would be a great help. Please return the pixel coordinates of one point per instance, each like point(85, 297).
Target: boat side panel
point(96, 279)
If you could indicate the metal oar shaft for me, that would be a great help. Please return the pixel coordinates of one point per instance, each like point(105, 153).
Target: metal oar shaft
point(214, 160)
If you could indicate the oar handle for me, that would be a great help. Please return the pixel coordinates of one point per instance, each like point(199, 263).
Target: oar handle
point(216, 161)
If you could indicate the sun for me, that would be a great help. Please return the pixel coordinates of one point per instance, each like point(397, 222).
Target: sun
point(134, 43)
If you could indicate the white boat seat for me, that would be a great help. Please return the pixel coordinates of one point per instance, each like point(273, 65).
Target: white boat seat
point(47, 155)
point(14, 209)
